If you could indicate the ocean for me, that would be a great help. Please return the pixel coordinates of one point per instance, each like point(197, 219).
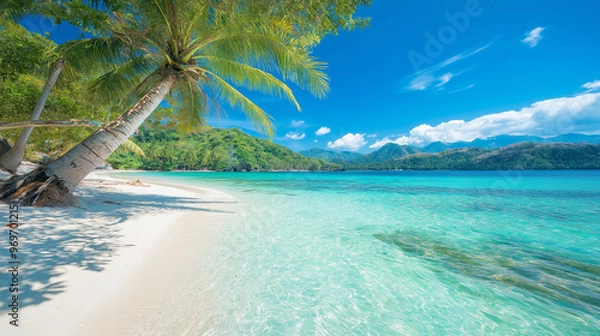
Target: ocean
point(406, 253)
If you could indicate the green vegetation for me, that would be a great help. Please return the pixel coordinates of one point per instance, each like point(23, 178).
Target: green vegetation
point(193, 53)
point(331, 156)
point(234, 150)
point(524, 156)
point(25, 60)
point(385, 153)
point(216, 149)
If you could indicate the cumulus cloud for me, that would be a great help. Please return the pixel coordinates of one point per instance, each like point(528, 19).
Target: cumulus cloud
point(592, 86)
point(295, 136)
point(372, 135)
point(350, 142)
point(323, 130)
point(435, 76)
point(533, 37)
point(545, 118)
point(297, 123)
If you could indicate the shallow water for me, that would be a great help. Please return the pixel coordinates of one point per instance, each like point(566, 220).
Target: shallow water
point(410, 253)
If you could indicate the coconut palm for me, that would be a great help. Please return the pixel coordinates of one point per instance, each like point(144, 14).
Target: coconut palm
point(11, 160)
point(188, 51)
point(14, 10)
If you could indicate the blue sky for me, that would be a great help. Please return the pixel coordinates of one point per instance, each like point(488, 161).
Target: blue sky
point(441, 70)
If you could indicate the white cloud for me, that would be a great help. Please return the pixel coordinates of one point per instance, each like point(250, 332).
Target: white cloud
point(534, 37)
point(372, 135)
point(297, 123)
point(351, 142)
point(455, 58)
point(433, 76)
point(426, 81)
point(545, 118)
point(295, 136)
point(323, 130)
point(468, 87)
point(316, 141)
point(592, 86)
point(445, 78)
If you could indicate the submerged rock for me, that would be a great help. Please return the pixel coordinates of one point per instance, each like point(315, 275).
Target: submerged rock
point(542, 273)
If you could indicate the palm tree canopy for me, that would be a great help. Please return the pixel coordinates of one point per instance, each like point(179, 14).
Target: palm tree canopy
point(215, 47)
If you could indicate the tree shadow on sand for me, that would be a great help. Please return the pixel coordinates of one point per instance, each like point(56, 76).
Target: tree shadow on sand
point(86, 237)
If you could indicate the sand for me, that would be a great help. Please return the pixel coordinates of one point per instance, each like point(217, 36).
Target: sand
point(131, 260)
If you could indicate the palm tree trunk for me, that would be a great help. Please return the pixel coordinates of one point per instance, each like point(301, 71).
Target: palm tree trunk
point(12, 159)
point(47, 123)
point(66, 172)
point(82, 159)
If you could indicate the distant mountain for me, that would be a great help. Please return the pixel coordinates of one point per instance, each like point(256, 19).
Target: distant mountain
point(216, 149)
point(507, 140)
point(523, 156)
point(387, 152)
point(575, 137)
point(331, 156)
point(234, 150)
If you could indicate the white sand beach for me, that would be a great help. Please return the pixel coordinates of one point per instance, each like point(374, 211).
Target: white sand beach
point(128, 261)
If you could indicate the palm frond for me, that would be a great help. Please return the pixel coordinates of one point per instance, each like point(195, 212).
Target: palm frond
point(267, 49)
point(98, 53)
point(236, 99)
point(191, 105)
point(120, 82)
point(215, 46)
point(132, 147)
point(16, 9)
point(249, 77)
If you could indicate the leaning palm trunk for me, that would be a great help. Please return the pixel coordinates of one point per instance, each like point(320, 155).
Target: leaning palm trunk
point(55, 183)
point(193, 48)
point(12, 159)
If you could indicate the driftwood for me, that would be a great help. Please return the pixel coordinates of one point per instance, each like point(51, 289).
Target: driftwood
point(45, 123)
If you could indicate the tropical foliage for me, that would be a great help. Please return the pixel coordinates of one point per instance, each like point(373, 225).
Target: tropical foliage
point(25, 60)
point(216, 149)
point(212, 49)
point(331, 156)
point(195, 53)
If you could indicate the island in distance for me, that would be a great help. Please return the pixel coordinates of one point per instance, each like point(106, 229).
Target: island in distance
point(234, 150)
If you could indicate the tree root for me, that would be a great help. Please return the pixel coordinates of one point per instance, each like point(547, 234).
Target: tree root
point(36, 189)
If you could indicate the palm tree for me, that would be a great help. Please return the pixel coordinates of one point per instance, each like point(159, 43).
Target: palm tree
point(14, 10)
point(11, 160)
point(185, 50)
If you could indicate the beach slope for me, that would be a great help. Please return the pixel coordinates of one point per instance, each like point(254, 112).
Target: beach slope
point(128, 261)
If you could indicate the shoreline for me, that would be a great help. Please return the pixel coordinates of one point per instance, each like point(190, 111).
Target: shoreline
point(352, 170)
point(107, 267)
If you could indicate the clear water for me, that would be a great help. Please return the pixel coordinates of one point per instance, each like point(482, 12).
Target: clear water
point(409, 253)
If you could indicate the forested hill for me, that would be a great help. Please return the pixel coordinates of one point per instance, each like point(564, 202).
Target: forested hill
point(385, 153)
point(331, 156)
point(523, 156)
point(216, 149)
point(234, 150)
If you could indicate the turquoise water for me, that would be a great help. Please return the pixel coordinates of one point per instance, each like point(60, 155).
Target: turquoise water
point(409, 253)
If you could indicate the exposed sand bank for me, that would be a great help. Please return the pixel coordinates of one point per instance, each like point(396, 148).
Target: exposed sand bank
point(128, 261)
